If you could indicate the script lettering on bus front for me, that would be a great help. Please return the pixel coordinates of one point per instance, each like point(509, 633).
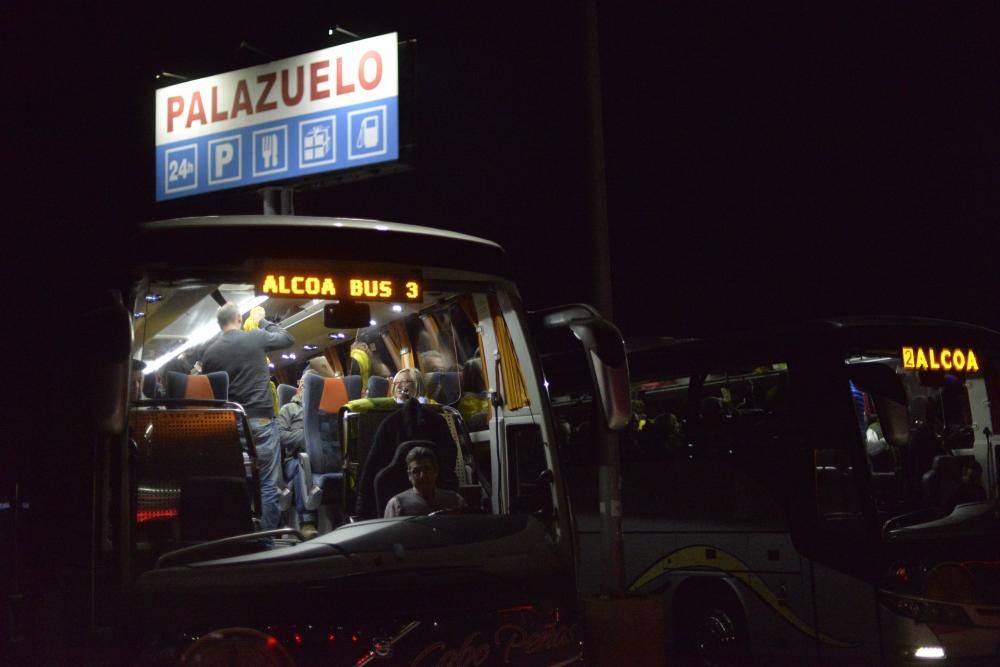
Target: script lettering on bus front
point(513, 642)
point(940, 359)
point(318, 285)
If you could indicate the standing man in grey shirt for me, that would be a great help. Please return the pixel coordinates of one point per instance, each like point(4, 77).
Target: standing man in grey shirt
point(243, 355)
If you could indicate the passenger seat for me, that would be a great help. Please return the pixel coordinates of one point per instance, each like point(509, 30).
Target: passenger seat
point(321, 471)
point(210, 386)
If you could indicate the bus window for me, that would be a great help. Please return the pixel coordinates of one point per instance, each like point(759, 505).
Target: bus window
point(728, 431)
point(923, 428)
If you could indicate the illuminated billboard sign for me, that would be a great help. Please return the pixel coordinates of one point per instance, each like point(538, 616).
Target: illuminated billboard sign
point(321, 111)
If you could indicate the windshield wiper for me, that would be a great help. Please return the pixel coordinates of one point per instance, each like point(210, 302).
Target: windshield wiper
point(236, 539)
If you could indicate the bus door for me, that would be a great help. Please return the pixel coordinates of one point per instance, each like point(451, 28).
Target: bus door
point(839, 540)
point(718, 507)
point(707, 503)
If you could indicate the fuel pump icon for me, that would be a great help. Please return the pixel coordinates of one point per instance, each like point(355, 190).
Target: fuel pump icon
point(368, 134)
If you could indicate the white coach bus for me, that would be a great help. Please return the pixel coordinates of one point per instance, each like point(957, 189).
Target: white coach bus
point(819, 494)
point(183, 571)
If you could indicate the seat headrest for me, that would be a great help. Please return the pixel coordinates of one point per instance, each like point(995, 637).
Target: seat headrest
point(285, 394)
point(149, 385)
point(472, 376)
point(444, 386)
point(325, 394)
point(353, 385)
point(211, 386)
point(404, 448)
point(378, 387)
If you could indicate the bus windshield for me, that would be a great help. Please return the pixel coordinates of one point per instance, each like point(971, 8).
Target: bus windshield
point(337, 440)
point(359, 363)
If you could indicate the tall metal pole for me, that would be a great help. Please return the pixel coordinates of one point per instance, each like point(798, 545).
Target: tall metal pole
point(609, 471)
point(597, 185)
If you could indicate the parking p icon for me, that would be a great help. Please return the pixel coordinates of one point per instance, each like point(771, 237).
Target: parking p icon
point(223, 156)
point(224, 164)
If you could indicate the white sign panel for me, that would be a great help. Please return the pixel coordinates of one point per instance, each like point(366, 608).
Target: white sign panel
point(320, 111)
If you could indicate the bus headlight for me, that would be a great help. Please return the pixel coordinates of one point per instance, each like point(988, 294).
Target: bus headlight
point(929, 653)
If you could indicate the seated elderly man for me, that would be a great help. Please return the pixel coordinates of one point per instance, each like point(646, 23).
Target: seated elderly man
point(424, 497)
point(413, 421)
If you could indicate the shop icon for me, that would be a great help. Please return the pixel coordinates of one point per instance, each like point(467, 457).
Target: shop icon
point(318, 142)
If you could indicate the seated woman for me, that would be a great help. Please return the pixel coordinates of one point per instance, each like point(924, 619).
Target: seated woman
point(424, 497)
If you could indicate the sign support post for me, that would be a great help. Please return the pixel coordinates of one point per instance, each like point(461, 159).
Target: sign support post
point(278, 201)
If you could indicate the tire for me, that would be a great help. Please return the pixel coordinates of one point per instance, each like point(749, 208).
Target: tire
point(711, 629)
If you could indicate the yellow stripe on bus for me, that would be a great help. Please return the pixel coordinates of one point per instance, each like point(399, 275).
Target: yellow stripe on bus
point(694, 558)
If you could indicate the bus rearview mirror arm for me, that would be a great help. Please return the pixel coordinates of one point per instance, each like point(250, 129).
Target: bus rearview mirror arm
point(604, 349)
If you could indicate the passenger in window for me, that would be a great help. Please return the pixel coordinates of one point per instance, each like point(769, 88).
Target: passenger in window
point(366, 362)
point(925, 442)
point(969, 489)
point(474, 403)
point(408, 383)
point(322, 367)
point(292, 436)
point(425, 496)
point(243, 355)
point(361, 362)
point(665, 432)
point(135, 384)
point(413, 421)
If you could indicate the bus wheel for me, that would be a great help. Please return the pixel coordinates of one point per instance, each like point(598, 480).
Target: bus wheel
point(712, 631)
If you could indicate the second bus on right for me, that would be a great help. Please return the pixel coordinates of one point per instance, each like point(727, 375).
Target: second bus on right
point(819, 494)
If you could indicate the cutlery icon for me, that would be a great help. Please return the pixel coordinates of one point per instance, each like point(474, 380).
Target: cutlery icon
point(269, 149)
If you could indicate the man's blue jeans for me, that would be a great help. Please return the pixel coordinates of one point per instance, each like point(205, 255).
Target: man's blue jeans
point(292, 471)
point(265, 436)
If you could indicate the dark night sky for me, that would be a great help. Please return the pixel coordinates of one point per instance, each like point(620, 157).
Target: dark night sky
point(762, 165)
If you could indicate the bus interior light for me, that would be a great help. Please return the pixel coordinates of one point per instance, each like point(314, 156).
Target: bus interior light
point(396, 308)
point(929, 653)
point(199, 336)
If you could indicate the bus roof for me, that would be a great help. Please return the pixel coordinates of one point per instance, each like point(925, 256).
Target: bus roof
point(238, 237)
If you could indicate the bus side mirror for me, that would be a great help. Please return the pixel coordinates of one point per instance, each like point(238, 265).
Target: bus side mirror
point(108, 342)
point(604, 350)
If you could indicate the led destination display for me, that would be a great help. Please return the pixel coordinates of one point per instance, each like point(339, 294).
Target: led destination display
point(351, 287)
